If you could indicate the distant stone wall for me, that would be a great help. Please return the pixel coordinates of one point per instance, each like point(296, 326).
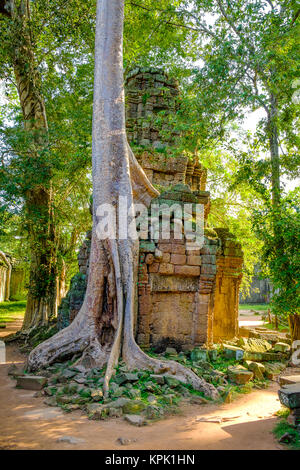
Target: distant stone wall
point(12, 278)
point(260, 292)
point(5, 276)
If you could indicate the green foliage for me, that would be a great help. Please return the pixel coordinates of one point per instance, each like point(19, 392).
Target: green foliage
point(281, 252)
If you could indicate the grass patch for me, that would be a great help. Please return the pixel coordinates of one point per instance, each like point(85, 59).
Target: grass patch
point(11, 311)
point(283, 427)
point(271, 326)
point(256, 307)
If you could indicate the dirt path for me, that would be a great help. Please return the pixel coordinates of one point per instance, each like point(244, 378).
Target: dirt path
point(26, 423)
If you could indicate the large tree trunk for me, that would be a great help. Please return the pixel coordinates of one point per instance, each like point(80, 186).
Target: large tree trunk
point(41, 301)
point(104, 327)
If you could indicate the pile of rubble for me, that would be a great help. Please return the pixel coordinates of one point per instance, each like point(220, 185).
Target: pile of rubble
point(141, 396)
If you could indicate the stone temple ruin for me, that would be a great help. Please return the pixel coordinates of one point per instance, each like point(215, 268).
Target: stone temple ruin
point(185, 298)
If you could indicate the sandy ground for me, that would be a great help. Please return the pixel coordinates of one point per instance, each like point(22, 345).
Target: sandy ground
point(26, 423)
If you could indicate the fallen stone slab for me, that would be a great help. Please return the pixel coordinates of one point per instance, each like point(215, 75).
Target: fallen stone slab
point(198, 355)
point(16, 370)
point(257, 368)
point(70, 440)
point(31, 382)
point(171, 351)
point(133, 407)
point(159, 379)
point(289, 380)
point(289, 396)
point(124, 441)
point(135, 420)
point(233, 352)
point(123, 378)
point(255, 345)
point(264, 357)
point(273, 369)
point(282, 347)
point(239, 375)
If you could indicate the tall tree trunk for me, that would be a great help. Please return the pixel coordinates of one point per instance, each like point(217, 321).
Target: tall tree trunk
point(274, 151)
point(41, 301)
point(104, 327)
point(294, 324)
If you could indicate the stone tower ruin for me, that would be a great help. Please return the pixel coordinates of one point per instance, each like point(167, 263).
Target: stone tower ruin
point(185, 298)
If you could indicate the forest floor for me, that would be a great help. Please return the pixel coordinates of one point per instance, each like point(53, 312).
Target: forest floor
point(27, 423)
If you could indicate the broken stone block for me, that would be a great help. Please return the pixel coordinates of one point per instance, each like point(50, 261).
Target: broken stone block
point(289, 396)
point(289, 380)
point(134, 393)
point(171, 351)
point(239, 375)
point(273, 369)
point(31, 382)
point(70, 440)
point(135, 420)
point(266, 356)
point(123, 378)
point(233, 352)
point(133, 407)
point(255, 345)
point(198, 355)
point(97, 395)
point(63, 399)
point(171, 381)
point(159, 379)
point(78, 400)
point(16, 370)
point(257, 368)
point(282, 347)
point(96, 411)
point(124, 441)
point(115, 412)
point(80, 379)
point(152, 399)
